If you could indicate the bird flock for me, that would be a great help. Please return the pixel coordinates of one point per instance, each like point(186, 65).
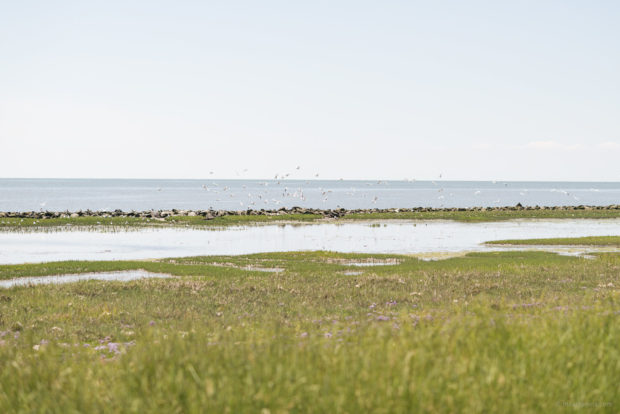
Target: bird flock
point(286, 189)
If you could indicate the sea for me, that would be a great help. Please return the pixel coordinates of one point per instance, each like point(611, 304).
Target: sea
point(157, 194)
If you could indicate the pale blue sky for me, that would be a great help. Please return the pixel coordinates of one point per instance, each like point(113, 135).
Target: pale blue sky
point(517, 90)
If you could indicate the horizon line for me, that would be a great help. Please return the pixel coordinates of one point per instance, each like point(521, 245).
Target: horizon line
point(411, 180)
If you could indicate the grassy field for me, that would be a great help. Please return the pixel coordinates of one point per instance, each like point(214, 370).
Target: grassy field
point(564, 241)
point(488, 332)
point(489, 215)
point(233, 220)
point(181, 221)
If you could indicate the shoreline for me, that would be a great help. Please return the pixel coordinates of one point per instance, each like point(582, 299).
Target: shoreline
point(324, 213)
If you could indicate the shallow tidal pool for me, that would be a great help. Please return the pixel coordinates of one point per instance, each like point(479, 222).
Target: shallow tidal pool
point(424, 238)
point(121, 276)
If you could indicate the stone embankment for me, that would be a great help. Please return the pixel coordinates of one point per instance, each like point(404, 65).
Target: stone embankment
point(328, 213)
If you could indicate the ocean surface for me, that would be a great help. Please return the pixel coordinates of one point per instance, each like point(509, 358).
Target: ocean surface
point(132, 194)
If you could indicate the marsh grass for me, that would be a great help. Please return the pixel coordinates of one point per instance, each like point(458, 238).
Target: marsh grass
point(487, 332)
point(129, 222)
point(488, 215)
point(236, 220)
point(564, 241)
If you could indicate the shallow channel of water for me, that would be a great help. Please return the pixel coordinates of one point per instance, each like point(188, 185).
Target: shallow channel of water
point(406, 237)
point(122, 276)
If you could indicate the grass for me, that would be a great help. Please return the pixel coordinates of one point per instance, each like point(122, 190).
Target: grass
point(234, 220)
point(489, 215)
point(487, 332)
point(564, 241)
point(122, 222)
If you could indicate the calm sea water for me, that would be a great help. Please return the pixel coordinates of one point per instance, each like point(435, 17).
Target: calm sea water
point(111, 194)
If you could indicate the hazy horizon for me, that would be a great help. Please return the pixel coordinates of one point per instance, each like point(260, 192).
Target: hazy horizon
point(310, 179)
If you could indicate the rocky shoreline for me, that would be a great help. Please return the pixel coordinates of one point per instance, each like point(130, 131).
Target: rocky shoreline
point(328, 213)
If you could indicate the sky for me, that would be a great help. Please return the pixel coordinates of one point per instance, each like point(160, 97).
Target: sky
point(476, 90)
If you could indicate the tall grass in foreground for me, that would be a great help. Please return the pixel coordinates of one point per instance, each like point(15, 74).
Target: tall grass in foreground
point(487, 332)
point(474, 361)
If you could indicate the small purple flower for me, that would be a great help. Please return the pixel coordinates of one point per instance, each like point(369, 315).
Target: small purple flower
point(383, 318)
point(390, 303)
point(374, 305)
point(3, 333)
point(44, 342)
point(114, 347)
point(328, 335)
point(152, 323)
point(304, 334)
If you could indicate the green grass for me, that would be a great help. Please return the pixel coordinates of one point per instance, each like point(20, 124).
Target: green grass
point(565, 241)
point(232, 220)
point(241, 220)
point(487, 332)
point(489, 215)
point(122, 222)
